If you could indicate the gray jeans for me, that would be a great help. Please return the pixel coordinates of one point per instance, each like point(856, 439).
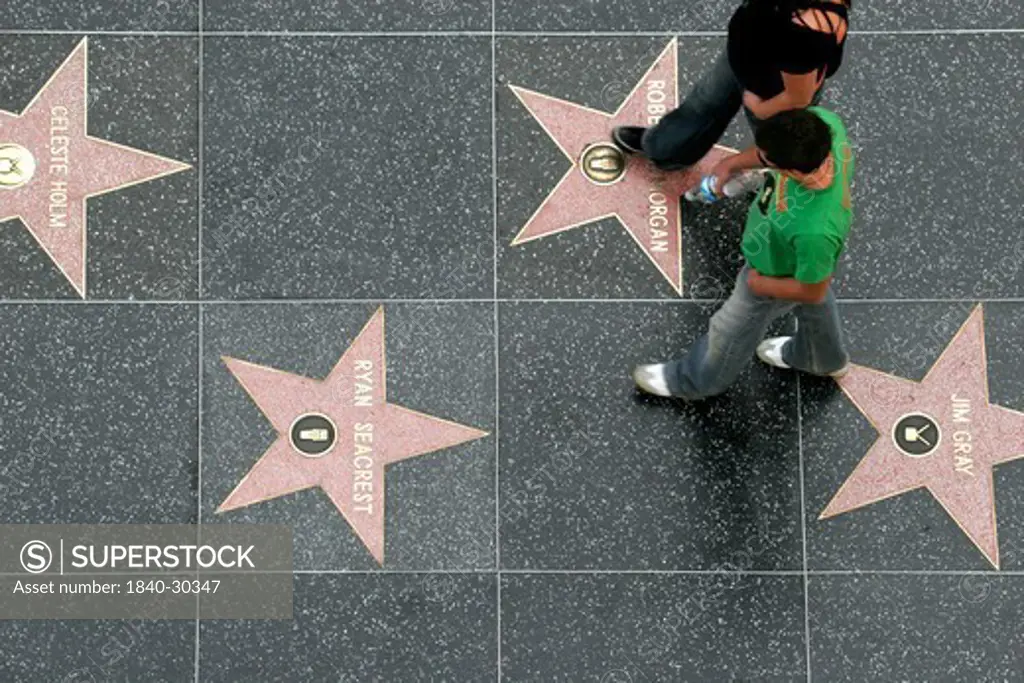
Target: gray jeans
point(686, 134)
point(718, 357)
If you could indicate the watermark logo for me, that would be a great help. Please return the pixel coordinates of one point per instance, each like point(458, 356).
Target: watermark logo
point(438, 6)
point(36, 557)
point(79, 676)
point(143, 571)
point(975, 588)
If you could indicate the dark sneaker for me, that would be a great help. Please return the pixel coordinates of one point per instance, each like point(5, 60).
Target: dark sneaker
point(629, 138)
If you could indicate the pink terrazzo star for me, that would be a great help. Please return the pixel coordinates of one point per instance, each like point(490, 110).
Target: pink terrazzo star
point(941, 434)
point(51, 135)
point(645, 200)
point(369, 434)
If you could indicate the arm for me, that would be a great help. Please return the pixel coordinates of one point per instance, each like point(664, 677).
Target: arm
point(798, 92)
point(788, 288)
point(816, 257)
point(800, 78)
point(737, 163)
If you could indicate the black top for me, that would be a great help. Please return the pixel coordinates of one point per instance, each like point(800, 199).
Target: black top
point(764, 40)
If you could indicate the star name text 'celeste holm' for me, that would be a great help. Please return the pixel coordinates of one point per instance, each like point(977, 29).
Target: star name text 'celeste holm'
point(60, 146)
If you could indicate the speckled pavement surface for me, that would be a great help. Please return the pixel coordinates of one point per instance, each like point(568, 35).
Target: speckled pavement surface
point(349, 156)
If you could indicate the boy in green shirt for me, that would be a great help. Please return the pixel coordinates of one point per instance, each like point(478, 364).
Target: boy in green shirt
point(795, 231)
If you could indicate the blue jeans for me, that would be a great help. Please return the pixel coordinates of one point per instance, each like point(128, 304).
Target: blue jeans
point(735, 330)
point(686, 134)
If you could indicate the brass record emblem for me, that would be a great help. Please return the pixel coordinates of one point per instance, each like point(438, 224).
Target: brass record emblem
point(603, 163)
point(16, 166)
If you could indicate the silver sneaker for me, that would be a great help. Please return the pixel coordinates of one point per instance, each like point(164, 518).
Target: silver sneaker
point(770, 352)
point(651, 378)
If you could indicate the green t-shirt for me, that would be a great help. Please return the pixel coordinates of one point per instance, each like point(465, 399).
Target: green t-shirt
point(795, 232)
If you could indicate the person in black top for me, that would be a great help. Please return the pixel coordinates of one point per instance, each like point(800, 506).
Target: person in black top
point(777, 57)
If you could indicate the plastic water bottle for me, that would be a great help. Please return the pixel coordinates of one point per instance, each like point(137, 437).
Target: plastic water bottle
point(708, 193)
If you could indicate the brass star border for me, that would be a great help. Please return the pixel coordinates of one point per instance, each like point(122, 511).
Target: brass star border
point(967, 436)
point(369, 433)
point(603, 183)
point(69, 166)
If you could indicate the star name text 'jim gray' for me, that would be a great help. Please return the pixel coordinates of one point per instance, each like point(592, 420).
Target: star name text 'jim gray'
point(962, 460)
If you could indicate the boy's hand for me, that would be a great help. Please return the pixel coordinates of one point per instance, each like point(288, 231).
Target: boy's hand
point(787, 288)
point(752, 102)
point(753, 280)
point(724, 170)
point(735, 164)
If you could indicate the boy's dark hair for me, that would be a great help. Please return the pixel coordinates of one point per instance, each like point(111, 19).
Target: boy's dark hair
point(794, 140)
